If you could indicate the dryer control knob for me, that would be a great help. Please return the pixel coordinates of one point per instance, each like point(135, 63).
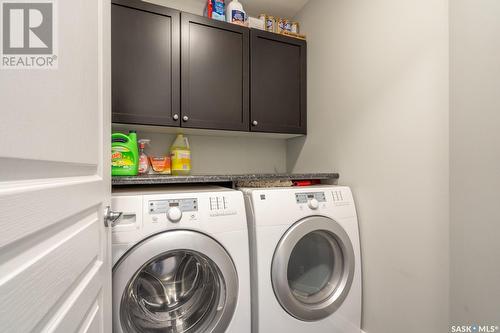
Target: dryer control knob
point(174, 214)
point(313, 204)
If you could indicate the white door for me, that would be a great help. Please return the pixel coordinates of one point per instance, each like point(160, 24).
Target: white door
point(55, 272)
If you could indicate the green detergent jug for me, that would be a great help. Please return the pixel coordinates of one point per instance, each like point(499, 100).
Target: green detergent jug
point(124, 154)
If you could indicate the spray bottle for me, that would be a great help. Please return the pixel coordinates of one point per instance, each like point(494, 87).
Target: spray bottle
point(143, 158)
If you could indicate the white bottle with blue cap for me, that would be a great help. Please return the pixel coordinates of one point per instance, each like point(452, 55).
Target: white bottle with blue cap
point(235, 13)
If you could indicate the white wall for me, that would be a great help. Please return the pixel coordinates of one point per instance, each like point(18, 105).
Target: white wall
point(378, 114)
point(475, 161)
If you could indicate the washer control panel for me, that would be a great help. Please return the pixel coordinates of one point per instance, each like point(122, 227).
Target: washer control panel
point(163, 206)
point(303, 198)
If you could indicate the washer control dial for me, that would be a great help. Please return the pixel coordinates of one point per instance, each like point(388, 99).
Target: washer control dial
point(313, 204)
point(174, 214)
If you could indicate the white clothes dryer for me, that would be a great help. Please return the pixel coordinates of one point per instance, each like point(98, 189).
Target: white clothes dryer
point(305, 260)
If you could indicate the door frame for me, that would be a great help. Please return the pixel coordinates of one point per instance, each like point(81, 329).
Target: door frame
point(325, 304)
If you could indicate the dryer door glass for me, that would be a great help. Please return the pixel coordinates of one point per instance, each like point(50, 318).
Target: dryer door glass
point(313, 268)
point(175, 282)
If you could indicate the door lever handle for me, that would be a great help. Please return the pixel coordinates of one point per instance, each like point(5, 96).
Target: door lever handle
point(110, 217)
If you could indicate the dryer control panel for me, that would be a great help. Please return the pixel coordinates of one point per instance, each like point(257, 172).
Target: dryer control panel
point(313, 199)
point(303, 198)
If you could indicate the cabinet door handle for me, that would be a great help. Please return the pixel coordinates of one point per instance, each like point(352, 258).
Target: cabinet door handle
point(176, 116)
point(255, 123)
point(185, 118)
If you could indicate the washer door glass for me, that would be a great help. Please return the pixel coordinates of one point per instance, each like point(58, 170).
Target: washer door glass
point(313, 268)
point(179, 291)
point(174, 282)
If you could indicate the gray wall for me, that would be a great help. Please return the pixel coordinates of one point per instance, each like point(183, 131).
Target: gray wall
point(378, 114)
point(475, 161)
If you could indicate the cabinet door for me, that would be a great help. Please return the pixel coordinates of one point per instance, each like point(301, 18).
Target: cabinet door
point(214, 74)
point(278, 83)
point(145, 63)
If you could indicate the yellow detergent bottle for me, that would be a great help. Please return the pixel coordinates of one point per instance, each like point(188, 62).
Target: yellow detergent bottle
point(181, 156)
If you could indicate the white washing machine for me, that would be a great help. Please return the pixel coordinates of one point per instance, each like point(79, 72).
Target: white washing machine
point(305, 260)
point(181, 261)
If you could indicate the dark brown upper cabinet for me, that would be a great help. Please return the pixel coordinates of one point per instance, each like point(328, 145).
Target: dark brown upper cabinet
point(145, 63)
point(214, 74)
point(181, 70)
point(278, 83)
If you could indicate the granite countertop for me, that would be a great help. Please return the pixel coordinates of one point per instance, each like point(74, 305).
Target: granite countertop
point(167, 179)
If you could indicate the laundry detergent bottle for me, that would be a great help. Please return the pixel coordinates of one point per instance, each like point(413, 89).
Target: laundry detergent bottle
point(124, 154)
point(235, 13)
point(181, 156)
